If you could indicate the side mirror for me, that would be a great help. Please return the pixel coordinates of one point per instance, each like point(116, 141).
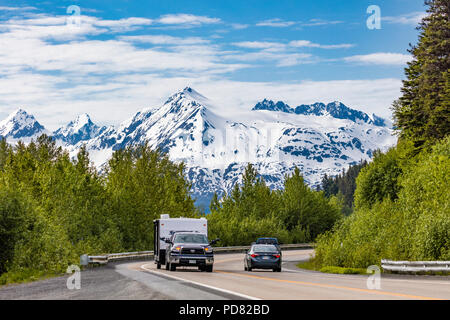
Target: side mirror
point(214, 241)
point(167, 241)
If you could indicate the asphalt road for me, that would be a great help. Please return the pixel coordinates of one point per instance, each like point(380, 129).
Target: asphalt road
point(141, 280)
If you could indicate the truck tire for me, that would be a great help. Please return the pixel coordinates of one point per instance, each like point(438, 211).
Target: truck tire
point(172, 267)
point(167, 266)
point(158, 266)
point(209, 268)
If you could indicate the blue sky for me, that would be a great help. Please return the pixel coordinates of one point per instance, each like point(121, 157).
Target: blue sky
point(120, 56)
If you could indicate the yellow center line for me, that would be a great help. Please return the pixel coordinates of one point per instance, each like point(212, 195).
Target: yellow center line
point(332, 286)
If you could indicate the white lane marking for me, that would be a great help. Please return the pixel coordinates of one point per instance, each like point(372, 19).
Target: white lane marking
point(347, 276)
point(200, 284)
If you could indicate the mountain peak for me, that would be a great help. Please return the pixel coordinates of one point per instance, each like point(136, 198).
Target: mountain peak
point(81, 129)
point(272, 106)
point(336, 109)
point(20, 124)
point(187, 96)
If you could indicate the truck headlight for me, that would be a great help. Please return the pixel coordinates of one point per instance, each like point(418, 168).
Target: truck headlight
point(176, 249)
point(208, 249)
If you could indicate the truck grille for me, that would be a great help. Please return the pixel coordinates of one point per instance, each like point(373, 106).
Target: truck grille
point(192, 251)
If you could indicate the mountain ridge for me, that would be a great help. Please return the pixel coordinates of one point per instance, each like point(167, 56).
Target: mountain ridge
point(319, 139)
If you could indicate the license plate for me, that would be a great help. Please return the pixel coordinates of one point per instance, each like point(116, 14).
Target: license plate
point(266, 257)
point(192, 261)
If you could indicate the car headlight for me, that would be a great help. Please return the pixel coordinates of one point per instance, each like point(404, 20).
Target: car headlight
point(176, 249)
point(208, 249)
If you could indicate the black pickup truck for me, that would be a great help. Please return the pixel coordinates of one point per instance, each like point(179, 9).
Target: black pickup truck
point(189, 249)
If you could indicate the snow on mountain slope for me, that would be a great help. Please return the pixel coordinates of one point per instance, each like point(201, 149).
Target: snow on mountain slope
point(82, 129)
point(20, 125)
point(276, 138)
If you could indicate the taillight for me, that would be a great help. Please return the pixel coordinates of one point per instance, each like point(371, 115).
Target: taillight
point(276, 255)
point(254, 255)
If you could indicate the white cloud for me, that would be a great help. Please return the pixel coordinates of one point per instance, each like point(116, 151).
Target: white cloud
point(42, 26)
point(187, 19)
point(309, 44)
point(165, 40)
point(413, 18)
point(277, 23)
point(258, 44)
point(381, 58)
point(113, 78)
point(320, 22)
point(123, 23)
point(112, 100)
point(3, 8)
point(239, 26)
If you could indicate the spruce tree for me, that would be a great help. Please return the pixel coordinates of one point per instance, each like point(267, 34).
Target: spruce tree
point(422, 113)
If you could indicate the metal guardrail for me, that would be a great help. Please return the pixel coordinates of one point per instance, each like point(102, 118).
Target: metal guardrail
point(104, 259)
point(86, 260)
point(416, 266)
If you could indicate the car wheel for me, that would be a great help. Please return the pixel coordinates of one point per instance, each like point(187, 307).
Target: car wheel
point(158, 266)
point(172, 267)
point(167, 266)
point(249, 269)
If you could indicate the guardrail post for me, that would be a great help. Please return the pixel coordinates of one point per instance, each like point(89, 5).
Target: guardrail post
point(84, 260)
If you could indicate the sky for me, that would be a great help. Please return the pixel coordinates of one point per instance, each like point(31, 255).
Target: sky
point(113, 58)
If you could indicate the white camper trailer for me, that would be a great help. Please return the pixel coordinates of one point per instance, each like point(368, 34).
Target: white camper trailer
point(166, 226)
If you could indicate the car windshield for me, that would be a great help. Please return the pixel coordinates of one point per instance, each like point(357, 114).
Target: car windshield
point(190, 238)
point(266, 248)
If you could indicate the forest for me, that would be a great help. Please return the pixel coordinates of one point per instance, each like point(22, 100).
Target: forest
point(401, 201)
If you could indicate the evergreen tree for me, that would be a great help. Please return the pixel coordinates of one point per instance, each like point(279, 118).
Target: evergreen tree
point(343, 186)
point(422, 114)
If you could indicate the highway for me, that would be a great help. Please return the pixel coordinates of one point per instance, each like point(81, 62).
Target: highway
point(141, 280)
point(296, 284)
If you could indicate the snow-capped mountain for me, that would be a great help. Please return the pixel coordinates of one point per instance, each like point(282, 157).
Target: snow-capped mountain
point(82, 129)
point(318, 139)
point(21, 125)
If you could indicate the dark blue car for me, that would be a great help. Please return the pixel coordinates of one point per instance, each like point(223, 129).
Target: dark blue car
point(263, 256)
point(273, 241)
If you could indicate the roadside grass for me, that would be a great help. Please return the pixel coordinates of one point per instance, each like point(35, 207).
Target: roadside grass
point(311, 265)
point(24, 276)
point(340, 270)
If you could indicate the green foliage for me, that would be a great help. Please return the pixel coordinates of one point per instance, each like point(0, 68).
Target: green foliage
point(414, 226)
point(402, 198)
point(422, 114)
point(53, 208)
point(343, 186)
point(296, 214)
point(141, 185)
point(378, 180)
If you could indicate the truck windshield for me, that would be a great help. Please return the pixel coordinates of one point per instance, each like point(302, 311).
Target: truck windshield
point(191, 238)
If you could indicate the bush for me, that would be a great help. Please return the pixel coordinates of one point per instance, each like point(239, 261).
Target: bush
point(416, 226)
